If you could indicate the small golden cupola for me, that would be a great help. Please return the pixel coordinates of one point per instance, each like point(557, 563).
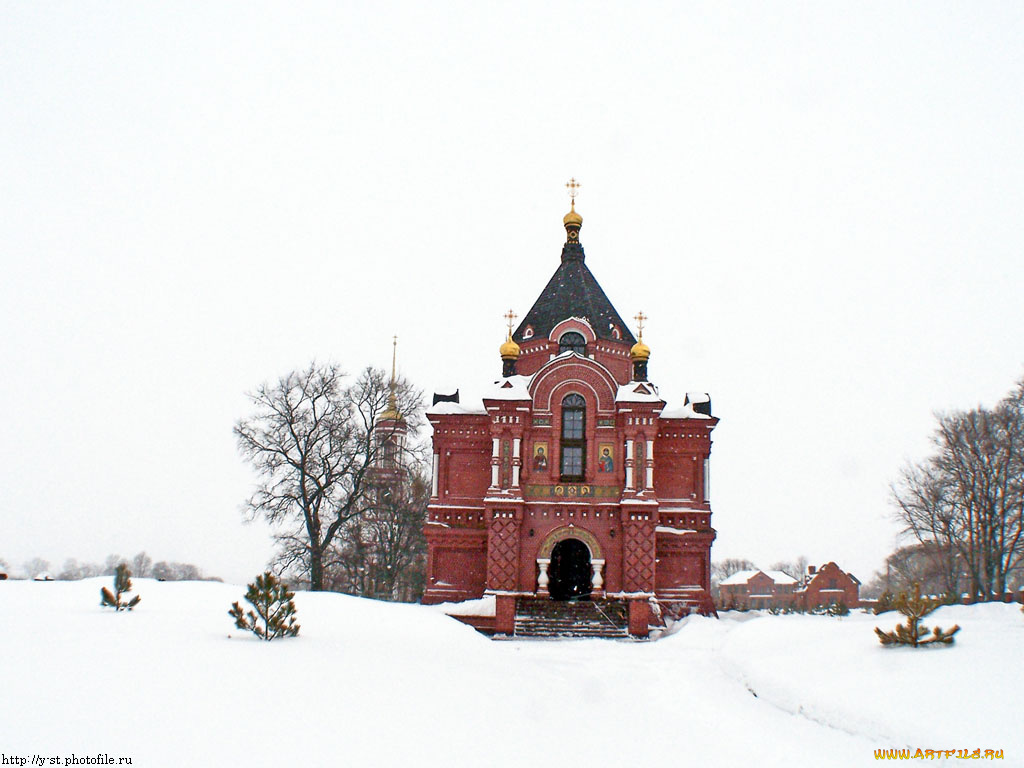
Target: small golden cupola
point(640, 353)
point(509, 350)
point(572, 220)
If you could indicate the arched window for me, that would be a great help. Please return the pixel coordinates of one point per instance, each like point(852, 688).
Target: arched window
point(572, 342)
point(574, 444)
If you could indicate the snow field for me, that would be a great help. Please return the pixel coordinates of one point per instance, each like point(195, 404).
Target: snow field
point(374, 684)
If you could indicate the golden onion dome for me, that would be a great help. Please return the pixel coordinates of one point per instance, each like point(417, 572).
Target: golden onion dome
point(640, 351)
point(572, 218)
point(509, 350)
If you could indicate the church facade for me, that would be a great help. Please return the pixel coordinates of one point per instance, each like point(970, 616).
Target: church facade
point(572, 479)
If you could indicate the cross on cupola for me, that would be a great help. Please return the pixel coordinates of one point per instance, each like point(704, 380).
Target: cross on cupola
point(640, 317)
point(573, 188)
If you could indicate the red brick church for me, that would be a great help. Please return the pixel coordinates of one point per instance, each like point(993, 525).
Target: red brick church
point(571, 480)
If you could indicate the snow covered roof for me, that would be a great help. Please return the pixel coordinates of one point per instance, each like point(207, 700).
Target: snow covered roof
point(682, 412)
point(740, 577)
point(638, 392)
point(512, 388)
point(446, 407)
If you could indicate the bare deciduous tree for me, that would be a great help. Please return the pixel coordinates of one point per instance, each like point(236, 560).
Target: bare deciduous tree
point(142, 565)
point(35, 567)
point(966, 500)
point(311, 440)
point(74, 570)
point(723, 569)
point(111, 563)
point(164, 571)
point(795, 569)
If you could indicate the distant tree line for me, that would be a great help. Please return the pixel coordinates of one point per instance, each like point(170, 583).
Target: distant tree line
point(141, 566)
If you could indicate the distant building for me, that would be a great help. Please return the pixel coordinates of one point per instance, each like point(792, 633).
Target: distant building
point(827, 585)
point(774, 589)
point(757, 589)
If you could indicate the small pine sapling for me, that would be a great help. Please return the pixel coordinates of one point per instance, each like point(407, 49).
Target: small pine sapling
point(275, 612)
point(838, 608)
point(913, 633)
point(122, 585)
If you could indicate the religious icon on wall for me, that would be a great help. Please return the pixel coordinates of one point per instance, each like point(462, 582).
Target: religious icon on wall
point(506, 463)
point(605, 457)
point(540, 456)
point(638, 467)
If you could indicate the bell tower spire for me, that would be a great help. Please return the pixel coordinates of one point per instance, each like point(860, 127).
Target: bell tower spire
point(391, 429)
point(392, 413)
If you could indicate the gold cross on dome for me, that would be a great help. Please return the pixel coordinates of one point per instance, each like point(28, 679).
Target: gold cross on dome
point(510, 316)
point(640, 317)
point(573, 188)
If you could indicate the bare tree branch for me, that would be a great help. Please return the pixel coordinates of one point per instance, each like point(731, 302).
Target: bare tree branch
point(312, 441)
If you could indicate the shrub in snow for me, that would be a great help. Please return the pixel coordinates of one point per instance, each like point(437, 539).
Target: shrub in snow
point(838, 608)
point(885, 602)
point(122, 586)
point(913, 633)
point(275, 612)
point(835, 608)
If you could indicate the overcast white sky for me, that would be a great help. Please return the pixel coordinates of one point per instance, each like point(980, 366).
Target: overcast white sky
point(817, 204)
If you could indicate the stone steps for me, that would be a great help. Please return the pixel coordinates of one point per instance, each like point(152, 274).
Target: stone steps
point(540, 617)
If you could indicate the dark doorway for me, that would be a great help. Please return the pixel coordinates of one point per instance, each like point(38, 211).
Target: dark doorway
point(569, 572)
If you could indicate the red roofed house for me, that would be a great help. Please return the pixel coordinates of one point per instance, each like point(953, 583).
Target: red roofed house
point(757, 589)
point(827, 585)
point(571, 480)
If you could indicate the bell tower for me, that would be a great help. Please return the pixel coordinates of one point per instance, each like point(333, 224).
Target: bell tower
point(390, 431)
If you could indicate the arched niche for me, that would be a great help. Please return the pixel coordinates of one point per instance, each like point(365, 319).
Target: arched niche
point(570, 532)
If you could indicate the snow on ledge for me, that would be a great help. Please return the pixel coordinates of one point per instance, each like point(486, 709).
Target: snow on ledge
point(673, 531)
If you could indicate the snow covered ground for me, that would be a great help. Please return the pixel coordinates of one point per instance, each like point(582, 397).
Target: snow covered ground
point(373, 684)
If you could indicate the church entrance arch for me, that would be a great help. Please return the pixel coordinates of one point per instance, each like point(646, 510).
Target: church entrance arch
point(570, 558)
point(569, 573)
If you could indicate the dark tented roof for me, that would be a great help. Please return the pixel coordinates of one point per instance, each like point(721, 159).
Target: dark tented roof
point(573, 292)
